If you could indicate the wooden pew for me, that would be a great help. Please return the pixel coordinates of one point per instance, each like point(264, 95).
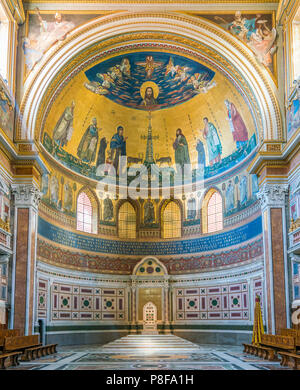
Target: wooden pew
point(8, 333)
point(20, 343)
point(260, 351)
point(12, 358)
point(291, 360)
point(292, 333)
point(270, 345)
point(277, 343)
point(29, 346)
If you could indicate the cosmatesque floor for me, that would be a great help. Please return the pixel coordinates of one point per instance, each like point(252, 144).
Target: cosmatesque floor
point(150, 352)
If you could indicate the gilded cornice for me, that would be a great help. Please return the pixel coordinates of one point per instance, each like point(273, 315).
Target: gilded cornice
point(160, 18)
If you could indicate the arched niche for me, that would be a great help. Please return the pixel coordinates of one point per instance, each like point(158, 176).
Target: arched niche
point(150, 283)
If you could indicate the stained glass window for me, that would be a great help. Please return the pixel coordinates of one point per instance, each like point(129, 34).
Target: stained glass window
point(171, 221)
point(84, 213)
point(127, 221)
point(214, 213)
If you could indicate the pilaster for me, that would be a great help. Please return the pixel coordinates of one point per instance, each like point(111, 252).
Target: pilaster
point(26, 201)
point(273, 198)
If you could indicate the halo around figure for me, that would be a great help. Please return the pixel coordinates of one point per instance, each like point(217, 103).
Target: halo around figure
point(151, 84)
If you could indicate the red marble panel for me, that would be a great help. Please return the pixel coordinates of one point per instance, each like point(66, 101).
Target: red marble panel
point(21, 268)
point(278, 269)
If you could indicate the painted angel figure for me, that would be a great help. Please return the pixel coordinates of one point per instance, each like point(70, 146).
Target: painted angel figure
point(106, 80)
point(201, 82)
point(262, 42)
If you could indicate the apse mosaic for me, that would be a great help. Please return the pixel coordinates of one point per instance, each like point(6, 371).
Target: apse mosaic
point(149, 81)
point(154, 108)
point(257, 30)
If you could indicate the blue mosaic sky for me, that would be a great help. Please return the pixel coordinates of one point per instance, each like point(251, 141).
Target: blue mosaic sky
point(172, 89)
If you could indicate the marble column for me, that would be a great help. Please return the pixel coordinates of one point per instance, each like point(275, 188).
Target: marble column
point(26, 200)
point(273, 200)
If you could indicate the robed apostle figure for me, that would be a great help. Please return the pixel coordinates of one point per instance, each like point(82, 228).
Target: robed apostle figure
point(149, 212)
point(118, 146)
point(181, 148)
point(237, 125)
point(213, 142)
point(108, 212)
point(64, 127)
point(86, 150)
point(101, 152)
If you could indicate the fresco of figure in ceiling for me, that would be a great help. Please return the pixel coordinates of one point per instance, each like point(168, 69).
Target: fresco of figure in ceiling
point(6, 110)
point(46, 29)
point(147, 107)
point(255, 29)
point(149, 81)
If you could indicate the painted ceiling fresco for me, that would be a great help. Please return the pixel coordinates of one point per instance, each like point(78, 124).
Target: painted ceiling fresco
point(44, 29)
point(256, 29)
point(194, 113)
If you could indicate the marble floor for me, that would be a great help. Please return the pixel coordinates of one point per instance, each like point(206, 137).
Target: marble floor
point(150, 352)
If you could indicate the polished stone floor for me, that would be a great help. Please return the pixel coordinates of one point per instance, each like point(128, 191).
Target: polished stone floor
point(150, 352)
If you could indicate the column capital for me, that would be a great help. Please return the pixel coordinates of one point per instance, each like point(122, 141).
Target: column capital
point(26, 195)
point(272, 195)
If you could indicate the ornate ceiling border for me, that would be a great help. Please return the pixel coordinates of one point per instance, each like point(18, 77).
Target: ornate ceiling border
point(198, 34)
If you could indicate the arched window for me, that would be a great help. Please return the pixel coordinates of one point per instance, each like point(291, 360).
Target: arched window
point(171, 221)
point(212, 212)
point(127, 221)
point(84, 213)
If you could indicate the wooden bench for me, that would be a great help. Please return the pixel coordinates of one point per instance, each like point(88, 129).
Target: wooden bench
point(29, 346)
point(20, 344)
point(8, 333)
point(260, 351)
point(278, 343)
point(49, 349)
point(290, 359)
point(292, 333)
point(38, 351)
point(12, 357)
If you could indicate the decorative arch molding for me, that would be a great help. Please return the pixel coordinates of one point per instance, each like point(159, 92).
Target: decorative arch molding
point(124, 31)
